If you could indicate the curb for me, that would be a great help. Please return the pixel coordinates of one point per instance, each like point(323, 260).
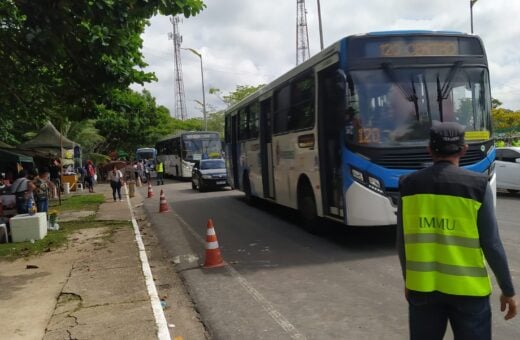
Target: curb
point(163, 333)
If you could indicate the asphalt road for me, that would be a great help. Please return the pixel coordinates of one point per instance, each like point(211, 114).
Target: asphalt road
point(283, 283)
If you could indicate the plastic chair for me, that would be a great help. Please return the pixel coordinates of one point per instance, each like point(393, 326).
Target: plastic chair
point(3, 226)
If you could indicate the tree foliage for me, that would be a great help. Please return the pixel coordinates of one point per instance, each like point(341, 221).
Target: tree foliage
point(132, 120)
point(62, 58)
point(505, 120)
point(216, 118)
point(240, 92)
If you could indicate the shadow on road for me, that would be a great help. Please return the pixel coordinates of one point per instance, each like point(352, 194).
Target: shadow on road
point(349, 237)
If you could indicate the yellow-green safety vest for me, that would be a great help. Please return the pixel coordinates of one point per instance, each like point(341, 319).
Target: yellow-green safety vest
point(159, 167)
point(442, 247)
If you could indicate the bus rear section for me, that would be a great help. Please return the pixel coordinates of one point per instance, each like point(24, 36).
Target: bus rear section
point(332, 136)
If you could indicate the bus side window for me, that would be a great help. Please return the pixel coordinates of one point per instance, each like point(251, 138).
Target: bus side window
point(302, 103)
point(282, 99)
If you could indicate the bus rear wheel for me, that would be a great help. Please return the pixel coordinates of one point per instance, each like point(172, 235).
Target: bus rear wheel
point(307, 211)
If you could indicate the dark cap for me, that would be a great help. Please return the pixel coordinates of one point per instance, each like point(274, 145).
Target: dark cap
point(447, 138)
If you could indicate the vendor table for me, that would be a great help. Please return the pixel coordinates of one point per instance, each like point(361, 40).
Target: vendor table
point(71, 179)
point(25, 227)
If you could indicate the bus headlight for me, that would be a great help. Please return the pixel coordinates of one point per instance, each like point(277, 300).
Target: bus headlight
point(206, 176)
point(357, 175)
point(367, 180)
point(374, 184)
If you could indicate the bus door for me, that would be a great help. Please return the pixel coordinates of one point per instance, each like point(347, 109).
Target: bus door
point(234, 151)
point(266, 149)
point(331, 104)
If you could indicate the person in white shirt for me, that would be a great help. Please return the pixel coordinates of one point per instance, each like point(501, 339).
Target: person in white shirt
point(116, 181)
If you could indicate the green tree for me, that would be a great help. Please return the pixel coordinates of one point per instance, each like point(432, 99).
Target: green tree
point(85, 134)
point(132, 120)
point(506, 121)
point(233, 97)
point(216, 118)
point(63, 58)
point(495, 103)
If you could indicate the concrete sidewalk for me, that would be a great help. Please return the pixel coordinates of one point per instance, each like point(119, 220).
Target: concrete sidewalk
point(92, 289)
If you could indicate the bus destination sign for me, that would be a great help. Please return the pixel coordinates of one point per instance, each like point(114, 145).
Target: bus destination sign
point(419, 48)
point(428, 46)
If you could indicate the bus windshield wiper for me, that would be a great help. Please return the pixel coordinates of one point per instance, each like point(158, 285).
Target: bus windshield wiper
point(443, 92)
point(411, 97)
point(446, 87)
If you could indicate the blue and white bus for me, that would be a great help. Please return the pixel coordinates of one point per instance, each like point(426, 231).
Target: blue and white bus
point(181, 151)
point(144, 154)
point(332, 136)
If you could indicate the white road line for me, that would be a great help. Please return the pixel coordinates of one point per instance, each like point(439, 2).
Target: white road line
point(259, 298)
point(163, 333)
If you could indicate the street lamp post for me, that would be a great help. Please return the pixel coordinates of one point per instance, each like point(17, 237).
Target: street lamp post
point(471, 4)
point(197, 53)
point(319, 22)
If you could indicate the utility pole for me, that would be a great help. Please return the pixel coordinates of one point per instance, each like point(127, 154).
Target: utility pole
point(302, 34)
point(198, 54)
point(180, 100)
point(319, 22)
point(471, 4)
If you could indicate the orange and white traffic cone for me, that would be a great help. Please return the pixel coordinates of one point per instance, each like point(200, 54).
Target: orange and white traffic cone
point(150, 190)
point(213, 256)
point(163, 205)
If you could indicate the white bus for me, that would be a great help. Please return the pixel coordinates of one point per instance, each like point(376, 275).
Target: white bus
point(325, 138)
point(180, 152)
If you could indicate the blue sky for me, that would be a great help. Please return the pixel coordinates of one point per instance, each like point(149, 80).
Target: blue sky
point(245, 42)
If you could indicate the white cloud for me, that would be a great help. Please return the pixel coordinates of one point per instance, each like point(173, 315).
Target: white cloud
point(253, 42)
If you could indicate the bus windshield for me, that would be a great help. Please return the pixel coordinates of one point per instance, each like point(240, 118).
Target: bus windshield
point(145, 154)
point(197, 149)
point(395, 106)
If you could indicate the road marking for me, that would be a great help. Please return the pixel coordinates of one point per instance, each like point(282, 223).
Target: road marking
point(163, 333)
point(259, 298)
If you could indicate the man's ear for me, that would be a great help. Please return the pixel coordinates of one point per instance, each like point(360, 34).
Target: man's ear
point(429, 150)
point(464, 150)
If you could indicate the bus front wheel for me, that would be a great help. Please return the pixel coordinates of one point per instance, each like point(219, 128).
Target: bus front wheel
point(307, 210)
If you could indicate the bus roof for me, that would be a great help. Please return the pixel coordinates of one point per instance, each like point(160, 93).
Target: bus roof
point(329, 51)
point(413, 32)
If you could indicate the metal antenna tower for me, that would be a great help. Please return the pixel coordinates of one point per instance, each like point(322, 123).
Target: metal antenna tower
point(302, 34)
point(180, 99)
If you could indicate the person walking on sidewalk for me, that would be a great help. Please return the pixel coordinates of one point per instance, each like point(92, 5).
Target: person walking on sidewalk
point(446, 226)
point(159, 168)
point(43, 190)
point(90, 175)
point(116, 181)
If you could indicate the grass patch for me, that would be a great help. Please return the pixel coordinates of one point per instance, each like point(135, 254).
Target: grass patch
point(78, 202)
point(58, 238)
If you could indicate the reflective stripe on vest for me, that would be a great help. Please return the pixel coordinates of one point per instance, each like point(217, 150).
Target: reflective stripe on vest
point(442, 246)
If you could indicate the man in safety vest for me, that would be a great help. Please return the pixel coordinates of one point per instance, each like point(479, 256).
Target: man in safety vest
point(446, 227)
point(159, 168)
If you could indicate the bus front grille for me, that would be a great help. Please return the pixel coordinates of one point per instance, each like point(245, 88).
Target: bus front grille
point(397, 159)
